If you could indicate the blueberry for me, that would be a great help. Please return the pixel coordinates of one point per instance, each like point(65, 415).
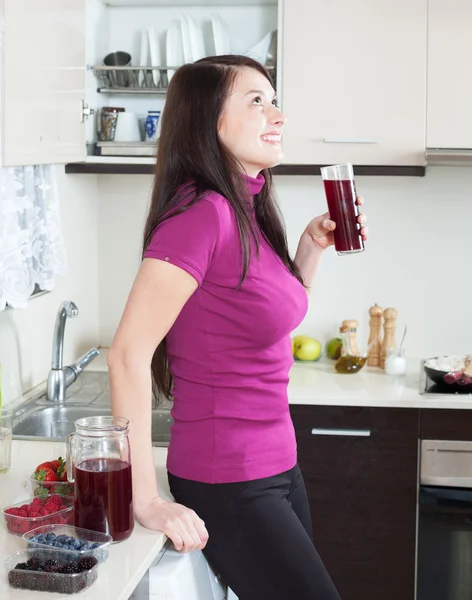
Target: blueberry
point(96, 545)
point(61, 538)
point(51, 536)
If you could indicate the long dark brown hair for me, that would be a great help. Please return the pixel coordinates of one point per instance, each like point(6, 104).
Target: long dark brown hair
point(190, 150)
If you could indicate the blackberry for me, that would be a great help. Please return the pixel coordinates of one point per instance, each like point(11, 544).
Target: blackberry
point(21, 566)
point(33, 563)
point(87, 562)
point(69, 568)
point(51, 566)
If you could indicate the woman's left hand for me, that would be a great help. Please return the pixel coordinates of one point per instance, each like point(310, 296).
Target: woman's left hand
point(321, 228)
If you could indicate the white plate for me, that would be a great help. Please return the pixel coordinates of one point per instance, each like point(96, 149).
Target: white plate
point(186, 41)
point(221, 35)
point(174, 49)
point(260, 50)
point(144, 55)
point(196, 39)
point(155, 48)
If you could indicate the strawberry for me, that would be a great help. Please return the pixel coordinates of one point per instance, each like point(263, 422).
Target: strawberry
point(61, 488)
point(60, 467)
point(44, 465)
point(46, 474)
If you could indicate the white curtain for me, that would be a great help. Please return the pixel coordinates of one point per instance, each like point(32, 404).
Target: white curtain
point(31, 244)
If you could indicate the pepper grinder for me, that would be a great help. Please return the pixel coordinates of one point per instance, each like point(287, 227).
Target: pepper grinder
point(390, 324)
point(375, 337)
point(351, 325)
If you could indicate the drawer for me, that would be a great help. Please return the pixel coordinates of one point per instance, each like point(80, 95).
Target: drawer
point(443, 424)
point(353, 421)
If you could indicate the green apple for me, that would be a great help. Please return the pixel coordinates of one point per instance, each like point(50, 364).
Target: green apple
point(334, 347)
point(306, 348)
point(296, 341)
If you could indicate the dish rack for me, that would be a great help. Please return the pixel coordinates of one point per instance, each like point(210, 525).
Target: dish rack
point(138, 80)
point(131, 80)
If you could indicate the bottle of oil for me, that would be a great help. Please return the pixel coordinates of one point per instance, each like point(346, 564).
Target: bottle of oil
point(350, 361)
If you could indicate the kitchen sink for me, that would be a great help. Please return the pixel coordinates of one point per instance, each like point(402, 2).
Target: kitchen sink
point(42, 419)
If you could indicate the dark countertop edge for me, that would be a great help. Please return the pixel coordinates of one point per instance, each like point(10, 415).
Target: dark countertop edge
point(148, 169)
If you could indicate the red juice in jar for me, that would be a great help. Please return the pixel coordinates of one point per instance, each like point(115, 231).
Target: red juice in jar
point(103, 497)
point(341, 194)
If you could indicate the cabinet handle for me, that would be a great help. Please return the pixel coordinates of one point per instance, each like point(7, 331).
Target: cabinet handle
point(342, 432)
point(348, 141)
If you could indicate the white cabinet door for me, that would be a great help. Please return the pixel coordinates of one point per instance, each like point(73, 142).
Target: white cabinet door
point(43, 81)
point(354, 81)
point(449, 123)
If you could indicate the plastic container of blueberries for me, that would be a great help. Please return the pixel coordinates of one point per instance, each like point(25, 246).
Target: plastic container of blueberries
point(21, 525)
point(93, 537)
point(47, 582)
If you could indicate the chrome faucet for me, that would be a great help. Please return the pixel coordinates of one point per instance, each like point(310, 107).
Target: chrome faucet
point(60, 377)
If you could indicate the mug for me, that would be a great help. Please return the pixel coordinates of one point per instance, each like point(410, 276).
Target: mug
point(127, 128)
point(151, 125)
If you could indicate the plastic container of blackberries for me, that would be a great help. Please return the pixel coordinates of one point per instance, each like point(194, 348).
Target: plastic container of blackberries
point(63, 538)
point(50, 571)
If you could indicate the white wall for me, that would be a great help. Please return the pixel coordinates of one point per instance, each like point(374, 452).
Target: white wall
point(416, 261)
point(26, 335)
point(416, 258)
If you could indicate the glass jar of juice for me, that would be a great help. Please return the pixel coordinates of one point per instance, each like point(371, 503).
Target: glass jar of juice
point(99, 465)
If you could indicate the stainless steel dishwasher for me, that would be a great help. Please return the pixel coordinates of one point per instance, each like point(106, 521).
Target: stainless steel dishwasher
point(445, 521)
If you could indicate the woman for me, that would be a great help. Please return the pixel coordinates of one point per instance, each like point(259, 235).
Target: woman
point(217, 294)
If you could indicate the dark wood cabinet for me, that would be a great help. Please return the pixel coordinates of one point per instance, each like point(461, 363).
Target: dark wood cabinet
point(446, 424)
point(360, 468)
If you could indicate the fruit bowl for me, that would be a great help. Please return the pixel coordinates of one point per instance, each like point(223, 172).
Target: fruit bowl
point(58, 573)
point(67, 538)
point(30, 514)
point(43, 488)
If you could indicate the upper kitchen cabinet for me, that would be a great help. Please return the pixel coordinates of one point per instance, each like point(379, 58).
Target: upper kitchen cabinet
point(160, 34)
point(449, 124)
point(43, 81)
point(354, 81)
point(54, 84)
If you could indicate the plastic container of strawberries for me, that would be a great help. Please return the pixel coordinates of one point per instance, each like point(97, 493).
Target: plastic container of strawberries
point(22, 578)
point(43, 488)
point(19, 520)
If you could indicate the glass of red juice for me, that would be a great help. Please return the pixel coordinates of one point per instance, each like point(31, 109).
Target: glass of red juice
point(99, 465)
point(340, 189)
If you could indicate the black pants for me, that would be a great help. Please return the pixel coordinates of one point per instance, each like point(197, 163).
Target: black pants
point(260, 536)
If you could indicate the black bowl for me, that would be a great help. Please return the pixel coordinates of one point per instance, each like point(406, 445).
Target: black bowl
point(451, 388)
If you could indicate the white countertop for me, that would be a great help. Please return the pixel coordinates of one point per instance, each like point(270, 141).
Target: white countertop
point(317, 383)
point(128, 560)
